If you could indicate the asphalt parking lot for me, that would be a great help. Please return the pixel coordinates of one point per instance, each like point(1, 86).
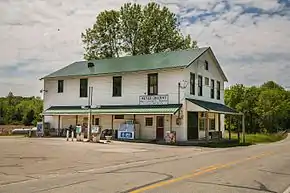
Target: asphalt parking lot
point(31, 165)
point(24, 159)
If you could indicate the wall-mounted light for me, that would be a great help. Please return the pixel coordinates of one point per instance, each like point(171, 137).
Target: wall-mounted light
point(43, 90)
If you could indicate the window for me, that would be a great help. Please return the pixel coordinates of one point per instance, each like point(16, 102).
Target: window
point(206, 65)
point(97, 121)
point(117, 86)
point(218, 95)
point(199, 85)
point(206, 81)
point(192, 83)
point(148, 121)
point(153, 84)
point(84, 87)
point(212, 124)
point(60, 86)
point(202, 124)
point(212, 88)
point(119, 116)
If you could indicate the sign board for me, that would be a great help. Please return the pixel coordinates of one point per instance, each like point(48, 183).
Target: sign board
point(126, 135)
point(153, 100)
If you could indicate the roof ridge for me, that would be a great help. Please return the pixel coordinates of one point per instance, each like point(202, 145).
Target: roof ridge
point(153, 54)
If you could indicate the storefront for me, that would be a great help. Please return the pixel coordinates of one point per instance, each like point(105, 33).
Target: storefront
point(153, 121)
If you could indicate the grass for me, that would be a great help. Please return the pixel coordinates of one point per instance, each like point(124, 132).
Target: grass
point(260, 137)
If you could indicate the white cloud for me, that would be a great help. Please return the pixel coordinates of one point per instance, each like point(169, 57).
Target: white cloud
point(242, 43)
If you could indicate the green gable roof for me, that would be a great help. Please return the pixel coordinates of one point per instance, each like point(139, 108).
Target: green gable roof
point(215, 107)
point(131, 63)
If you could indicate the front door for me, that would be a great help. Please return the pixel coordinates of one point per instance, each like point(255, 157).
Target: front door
point(159, 127)
point(192, 125)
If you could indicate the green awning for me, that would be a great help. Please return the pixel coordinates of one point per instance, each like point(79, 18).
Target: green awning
point(214, 107)
point(114, 109)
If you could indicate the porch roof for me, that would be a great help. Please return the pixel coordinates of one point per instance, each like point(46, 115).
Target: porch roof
point(214, 107)
point(114, 109)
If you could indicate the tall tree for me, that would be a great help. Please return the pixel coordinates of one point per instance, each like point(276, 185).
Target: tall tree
point(134, 30)
point(266, 108)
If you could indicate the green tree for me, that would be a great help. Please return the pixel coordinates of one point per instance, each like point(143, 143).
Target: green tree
point(271, 85)
point(266, 108)
point(28, 117)
point(134, 30)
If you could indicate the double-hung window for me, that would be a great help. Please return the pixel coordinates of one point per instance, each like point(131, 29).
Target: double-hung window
point(117, 86)
point(60, 86)
point(83, 87)
point(152, 84)
point(199, 85)
point(192, 83)
point(212, 88)
point(218, 95)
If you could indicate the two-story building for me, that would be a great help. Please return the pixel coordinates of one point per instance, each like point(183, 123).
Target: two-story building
point(180, 91)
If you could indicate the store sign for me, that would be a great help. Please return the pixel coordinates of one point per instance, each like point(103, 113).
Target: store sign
point(153, 100)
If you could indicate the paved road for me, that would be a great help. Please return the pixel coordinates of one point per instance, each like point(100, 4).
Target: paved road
point(57, 166)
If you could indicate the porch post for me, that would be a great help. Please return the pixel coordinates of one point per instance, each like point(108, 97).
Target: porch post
point(239, 125)
point(243, 128)
point(77, 119)
point(170, 122)
point(229, 129)
point(219, 122)
point(134, 118)
point(207, 127)
point(58, 122)
point(58, 125)
point(112, 125)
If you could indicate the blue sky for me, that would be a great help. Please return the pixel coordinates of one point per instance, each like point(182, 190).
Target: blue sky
point(251, 38)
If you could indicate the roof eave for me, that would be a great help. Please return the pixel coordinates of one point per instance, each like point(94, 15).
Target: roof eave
point(190, 63)
point(110, 73)
point(218, 65)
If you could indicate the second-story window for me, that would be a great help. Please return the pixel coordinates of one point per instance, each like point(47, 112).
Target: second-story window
point(60, 86)
point(84, 87)
point(192, 83)
point(199, 85)
point(218, 95)
point(212, 88)
point(206, 65)
point(117, 86)
point(153, 84)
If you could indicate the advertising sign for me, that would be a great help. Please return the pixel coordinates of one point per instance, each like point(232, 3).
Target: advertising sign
point(126, 135)
point(153, 100)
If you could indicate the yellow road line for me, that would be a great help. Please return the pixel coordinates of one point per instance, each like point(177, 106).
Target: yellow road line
point(199, 172)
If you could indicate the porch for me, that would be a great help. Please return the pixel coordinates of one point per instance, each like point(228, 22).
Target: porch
point(150, 121)
point(205, 120)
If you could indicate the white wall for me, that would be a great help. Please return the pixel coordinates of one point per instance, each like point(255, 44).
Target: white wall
point(133, 85)
point(198, 68)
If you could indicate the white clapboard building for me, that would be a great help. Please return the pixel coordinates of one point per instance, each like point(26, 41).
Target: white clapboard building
point(181, 91)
